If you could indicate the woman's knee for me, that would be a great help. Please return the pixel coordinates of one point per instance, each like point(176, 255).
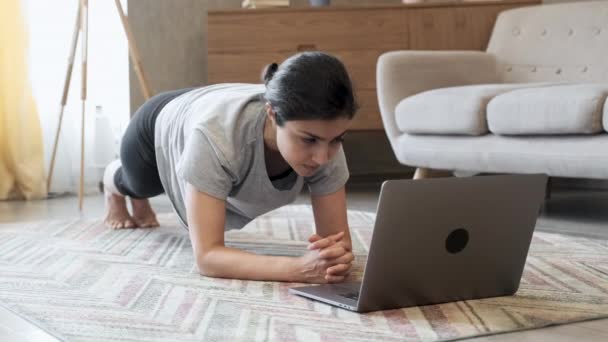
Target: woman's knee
point(141, 186)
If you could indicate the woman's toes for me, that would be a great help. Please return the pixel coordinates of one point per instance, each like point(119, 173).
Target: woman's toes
point(147, 222)
point(128, 224)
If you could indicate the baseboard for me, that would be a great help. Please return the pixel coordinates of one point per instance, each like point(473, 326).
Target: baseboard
point(579, 183)
point(370, 157)
point(378, 178)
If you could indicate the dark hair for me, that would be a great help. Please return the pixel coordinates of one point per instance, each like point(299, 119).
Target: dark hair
point(309, 86)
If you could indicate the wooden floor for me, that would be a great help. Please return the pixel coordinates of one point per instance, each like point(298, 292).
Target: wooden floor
point(568, 211)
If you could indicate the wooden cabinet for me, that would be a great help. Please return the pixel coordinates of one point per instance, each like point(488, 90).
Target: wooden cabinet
point(242, 41)
point(456, 27)
point(293, 30)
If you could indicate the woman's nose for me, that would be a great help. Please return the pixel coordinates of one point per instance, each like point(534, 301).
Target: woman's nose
point(321, 155)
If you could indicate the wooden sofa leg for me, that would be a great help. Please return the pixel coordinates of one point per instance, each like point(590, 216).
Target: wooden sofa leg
point(423, 172)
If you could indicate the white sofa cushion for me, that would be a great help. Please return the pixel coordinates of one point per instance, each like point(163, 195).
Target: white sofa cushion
point(606, 115)
point(563, 109)
point(453, 110)
point(556, 155)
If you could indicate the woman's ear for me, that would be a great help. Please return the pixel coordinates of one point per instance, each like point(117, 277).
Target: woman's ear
point(270, 113)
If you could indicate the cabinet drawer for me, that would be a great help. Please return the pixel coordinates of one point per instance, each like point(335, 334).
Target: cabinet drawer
point(247, 68)
point(466, 28)
point(224, 69)
point(361, 66)
point(240, 67)
point(297, 30)
point(368, 116)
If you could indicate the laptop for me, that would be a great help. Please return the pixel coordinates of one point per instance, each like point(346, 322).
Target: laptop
point(443, 240)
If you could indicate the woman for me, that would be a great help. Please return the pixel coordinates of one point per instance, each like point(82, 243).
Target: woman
point(227, 153)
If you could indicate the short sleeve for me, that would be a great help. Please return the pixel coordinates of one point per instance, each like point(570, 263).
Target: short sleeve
point(201, 166)
point(331, 177)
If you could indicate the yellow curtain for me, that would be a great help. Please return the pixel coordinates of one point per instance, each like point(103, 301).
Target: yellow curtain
point(21, 150)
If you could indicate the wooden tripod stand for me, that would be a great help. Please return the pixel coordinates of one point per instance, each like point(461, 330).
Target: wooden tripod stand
point(82, 26)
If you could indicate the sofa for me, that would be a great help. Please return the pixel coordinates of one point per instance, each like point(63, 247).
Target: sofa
point(534, 102)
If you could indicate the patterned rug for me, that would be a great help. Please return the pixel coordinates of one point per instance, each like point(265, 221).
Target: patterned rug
point(83, 282)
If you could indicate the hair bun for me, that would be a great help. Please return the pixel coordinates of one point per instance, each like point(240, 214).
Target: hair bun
point(269, 71)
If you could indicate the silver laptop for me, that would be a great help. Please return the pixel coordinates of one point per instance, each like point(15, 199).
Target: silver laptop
point(443, 240)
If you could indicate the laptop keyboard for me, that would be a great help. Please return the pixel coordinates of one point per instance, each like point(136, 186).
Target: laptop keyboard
point(351, 295)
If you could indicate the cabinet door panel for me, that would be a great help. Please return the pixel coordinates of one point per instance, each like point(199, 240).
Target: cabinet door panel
point(240, 67)
point(247, 67)
point(225, 68)
point(299, 30)
point(452, 28)
point(368, 116)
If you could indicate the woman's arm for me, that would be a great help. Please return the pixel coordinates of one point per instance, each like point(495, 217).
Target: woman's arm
point(206, 220)
point(330, 217)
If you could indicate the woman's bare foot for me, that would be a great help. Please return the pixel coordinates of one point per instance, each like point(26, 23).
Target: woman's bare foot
point(117, 216)
point(143, 214)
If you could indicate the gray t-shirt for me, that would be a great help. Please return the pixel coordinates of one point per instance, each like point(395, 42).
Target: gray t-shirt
point(212, 138)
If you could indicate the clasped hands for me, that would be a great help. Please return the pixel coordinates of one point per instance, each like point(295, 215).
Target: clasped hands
point(329, 259)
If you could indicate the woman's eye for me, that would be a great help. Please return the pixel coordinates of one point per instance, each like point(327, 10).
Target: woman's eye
point(309, 140)
point(338, 140)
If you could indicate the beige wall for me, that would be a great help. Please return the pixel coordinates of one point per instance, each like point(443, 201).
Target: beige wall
point(171, 37)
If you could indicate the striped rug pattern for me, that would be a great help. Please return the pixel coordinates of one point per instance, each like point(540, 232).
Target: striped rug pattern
point(83, 282)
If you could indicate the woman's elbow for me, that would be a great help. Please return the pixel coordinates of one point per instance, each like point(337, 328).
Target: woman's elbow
point(206, 266)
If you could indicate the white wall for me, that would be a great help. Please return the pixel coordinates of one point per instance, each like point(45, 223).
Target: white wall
point(51, 25)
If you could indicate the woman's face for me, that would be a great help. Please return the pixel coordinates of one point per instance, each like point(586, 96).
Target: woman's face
point(307, 145)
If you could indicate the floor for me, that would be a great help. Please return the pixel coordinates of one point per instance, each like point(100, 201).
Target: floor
point(568, 211)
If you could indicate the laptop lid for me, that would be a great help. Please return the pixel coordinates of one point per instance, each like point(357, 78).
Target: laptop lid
point(450, 239)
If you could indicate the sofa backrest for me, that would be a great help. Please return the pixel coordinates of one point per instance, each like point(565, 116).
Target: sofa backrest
point(558, 42)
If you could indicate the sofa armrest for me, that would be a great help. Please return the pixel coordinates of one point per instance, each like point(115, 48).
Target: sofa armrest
point(400, 74)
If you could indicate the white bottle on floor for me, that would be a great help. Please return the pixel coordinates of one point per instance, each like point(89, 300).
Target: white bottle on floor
point(105, 147)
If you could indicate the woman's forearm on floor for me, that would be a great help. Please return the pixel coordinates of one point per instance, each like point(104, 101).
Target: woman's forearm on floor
point(226, 262)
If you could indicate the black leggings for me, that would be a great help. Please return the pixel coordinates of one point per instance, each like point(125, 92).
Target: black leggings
point(138, 175)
